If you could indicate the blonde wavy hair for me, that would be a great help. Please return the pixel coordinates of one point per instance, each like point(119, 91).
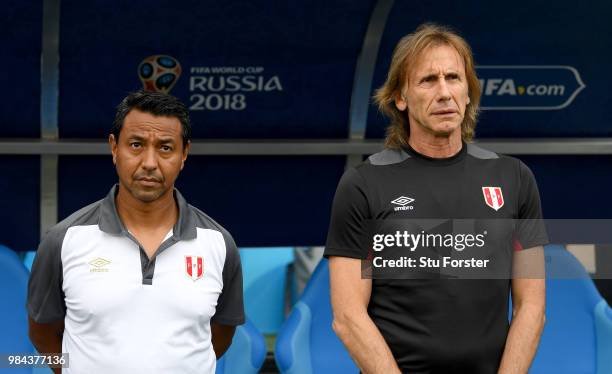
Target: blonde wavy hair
point(406, 52)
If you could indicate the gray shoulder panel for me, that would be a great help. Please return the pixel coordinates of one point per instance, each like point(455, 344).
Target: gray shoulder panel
point(45, 295)
point(230, 305)
point(88, 215)
point(388, 157)
point(52, 240)
point(480, 153)
point(203, 221)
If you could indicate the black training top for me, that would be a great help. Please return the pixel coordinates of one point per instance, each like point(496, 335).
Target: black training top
point(438, 324)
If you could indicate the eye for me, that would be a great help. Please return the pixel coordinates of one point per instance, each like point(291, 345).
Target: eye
point(428, 79)
point(452, 77)
point(166, 148)
point(135, 145)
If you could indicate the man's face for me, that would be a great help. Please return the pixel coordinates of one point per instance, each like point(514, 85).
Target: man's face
point(149, 154)
point(436, 93)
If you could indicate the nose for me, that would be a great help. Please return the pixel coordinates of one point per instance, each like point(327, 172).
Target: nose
point(149, 159)
point(443, 90)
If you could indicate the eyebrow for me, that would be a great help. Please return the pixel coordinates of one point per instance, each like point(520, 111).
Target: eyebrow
point(433, 75)
point(427, 76)
point(162, 140)
point(135, 137)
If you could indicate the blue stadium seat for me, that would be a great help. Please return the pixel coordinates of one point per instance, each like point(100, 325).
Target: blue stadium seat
point(28, 259)
point(577, 337)
point(246, 354)
point(13, 316)
point(306, 342)
point(265, 278)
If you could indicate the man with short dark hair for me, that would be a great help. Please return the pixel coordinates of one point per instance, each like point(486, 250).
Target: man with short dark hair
point(139, 281)
point(428, 322)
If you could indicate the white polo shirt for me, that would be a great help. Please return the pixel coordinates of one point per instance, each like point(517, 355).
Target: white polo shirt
point(124, 313)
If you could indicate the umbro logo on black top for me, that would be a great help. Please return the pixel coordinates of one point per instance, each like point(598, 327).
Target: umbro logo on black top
point(403, 202)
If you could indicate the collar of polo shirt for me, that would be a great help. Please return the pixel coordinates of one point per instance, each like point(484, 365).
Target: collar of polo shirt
point(184, 229)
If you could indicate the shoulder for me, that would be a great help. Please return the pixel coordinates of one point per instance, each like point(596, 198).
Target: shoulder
point(481, 153)
point(387, 156)
point(89, 215)
point(204, 221)
point(373, 166)
point(500, 160)
point(503, 163)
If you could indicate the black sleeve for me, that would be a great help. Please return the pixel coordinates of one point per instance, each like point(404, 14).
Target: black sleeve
point(350, 211)
point(45, 295)
point(230, 306)
point(531, 231)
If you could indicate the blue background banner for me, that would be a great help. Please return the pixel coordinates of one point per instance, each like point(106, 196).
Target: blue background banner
point(265, 70)
point(250, 69)
point(538, 34)
point(20, 41)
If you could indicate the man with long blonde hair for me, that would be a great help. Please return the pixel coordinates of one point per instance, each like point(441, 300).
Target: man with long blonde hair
point(429, 169)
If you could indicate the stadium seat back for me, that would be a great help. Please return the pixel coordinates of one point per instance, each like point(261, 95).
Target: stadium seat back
point(246, 354)
point(306, 342)
point(13, 315)
point(571, 340)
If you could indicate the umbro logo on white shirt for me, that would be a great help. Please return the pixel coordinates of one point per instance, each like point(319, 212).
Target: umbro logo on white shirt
point(98, 265)
point(403, 202)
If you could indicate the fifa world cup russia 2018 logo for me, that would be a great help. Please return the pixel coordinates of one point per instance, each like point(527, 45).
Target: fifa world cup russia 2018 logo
point(159, 73)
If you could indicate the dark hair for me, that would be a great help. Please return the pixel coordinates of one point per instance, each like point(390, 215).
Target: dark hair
point(156, 103)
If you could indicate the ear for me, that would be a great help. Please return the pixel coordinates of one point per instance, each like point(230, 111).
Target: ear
point(469, 100)
point(400, 102)
point(113, 146)
point(185, 153)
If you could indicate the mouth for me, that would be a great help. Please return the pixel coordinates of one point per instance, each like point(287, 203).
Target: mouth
point(148, 182)
point(445, 112)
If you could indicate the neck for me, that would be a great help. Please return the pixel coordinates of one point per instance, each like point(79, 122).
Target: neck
point(434, 146)
point(136, 214)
